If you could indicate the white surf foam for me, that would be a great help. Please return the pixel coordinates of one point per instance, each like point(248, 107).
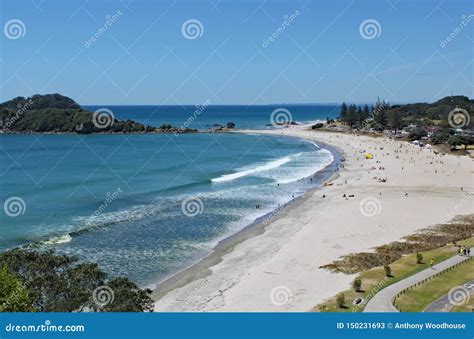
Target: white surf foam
point(307, 171)
point(58, 240)
point(268, 166)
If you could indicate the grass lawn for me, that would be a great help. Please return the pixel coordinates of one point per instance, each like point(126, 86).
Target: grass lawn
point(468, 307)
point(374, 279)
point(417, 298)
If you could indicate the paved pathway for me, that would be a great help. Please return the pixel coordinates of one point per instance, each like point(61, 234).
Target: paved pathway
point(443, 304)
point(382, 301)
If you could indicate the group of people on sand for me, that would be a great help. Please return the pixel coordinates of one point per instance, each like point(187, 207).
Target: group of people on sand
point(463, 250)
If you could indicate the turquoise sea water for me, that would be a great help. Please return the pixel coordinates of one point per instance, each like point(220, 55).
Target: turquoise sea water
point(145, 206)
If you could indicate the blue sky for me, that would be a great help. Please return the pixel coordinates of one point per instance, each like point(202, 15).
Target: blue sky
point(320, 57)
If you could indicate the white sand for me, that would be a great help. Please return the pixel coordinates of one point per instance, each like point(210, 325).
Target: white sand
point(279, 269)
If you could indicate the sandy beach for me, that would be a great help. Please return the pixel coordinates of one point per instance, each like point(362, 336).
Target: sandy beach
point(274, 266)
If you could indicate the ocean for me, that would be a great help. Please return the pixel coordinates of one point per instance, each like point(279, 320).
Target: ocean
point(147, 206)
point(244, 117)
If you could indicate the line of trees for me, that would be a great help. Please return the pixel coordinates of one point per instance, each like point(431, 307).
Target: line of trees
point(356, 116)
point(353, 115)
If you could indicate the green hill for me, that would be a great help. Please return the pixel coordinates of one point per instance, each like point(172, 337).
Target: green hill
point(55, 113)
point(435, 113)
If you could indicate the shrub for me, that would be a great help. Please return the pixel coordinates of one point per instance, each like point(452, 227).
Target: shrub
point(357, 284)
point(417, 134)
point(419, 258)
point(388, 270)
point(424, 240)
point(13, 295)
point(58, 283)
point(341, 300)
point(440, 137)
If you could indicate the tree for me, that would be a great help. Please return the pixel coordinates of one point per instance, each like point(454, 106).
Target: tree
point(395, 120)
point(440, 136)
point(366, 112)
point(380, 116)
point(360, 115)
point(351, 118)
point(343, 114)
point(456, 140)
point(357, 284)
point(13, 295)
point(417, 134)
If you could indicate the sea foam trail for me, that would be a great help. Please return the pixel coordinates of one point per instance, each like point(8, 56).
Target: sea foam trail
point(58, 240)
point(309, 171)
point(266, 167)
